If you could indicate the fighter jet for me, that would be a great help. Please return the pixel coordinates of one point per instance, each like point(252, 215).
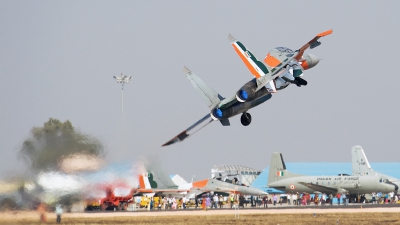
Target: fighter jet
point(281, 179)
point(280, 68)
point(150, 185)
point(361, 166)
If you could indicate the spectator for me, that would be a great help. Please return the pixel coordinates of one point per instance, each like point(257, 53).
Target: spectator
point(338, 197)
point(294, 199)
point(184, 202)
point(215, 201)
point(379, 195)
point(164, 202)
point(373, 198)
point(298, 198)
point(241, 201)
point(347, 198)
point(265, 201)
point(203, 202)
point(208, 201)
point(174, 205)
point(274, 198)
point(288, 198)
point(59, 211)
point(323, 199)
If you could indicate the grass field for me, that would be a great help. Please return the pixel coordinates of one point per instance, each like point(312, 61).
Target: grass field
point(281, 219)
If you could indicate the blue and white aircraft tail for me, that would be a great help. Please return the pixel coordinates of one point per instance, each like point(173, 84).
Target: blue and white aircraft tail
point(275, 172)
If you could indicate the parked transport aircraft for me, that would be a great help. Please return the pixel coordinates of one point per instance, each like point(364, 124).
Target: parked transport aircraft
point(282, 179)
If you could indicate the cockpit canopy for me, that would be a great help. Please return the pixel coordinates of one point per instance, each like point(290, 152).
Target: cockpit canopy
point(383, 180)
point(284, 49)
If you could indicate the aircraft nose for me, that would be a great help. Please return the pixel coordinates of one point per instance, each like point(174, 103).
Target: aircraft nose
point(396, 187)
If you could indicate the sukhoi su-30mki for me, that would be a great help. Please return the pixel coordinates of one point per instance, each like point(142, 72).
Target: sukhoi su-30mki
point(280, 68)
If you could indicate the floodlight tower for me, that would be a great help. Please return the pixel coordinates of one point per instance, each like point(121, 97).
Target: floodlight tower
point(122, 80)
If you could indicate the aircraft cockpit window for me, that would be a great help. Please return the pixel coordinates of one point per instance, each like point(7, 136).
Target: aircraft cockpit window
point(386, 180)
point(380, 180)
point(284, 49)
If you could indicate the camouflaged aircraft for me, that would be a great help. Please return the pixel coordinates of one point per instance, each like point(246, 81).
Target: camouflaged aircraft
point(282, 179)
point(280, 68)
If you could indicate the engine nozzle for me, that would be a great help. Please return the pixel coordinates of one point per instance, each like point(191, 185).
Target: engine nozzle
point(242, 95)
point(216, 114)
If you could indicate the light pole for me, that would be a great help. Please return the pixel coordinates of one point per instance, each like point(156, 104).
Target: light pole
point(122, 80)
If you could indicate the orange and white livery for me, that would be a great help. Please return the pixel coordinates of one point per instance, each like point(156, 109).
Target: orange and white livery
point(280, 68)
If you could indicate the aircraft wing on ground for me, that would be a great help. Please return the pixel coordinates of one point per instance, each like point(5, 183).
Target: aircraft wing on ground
point(319, 188)
point(190, 131)
point(139, 192)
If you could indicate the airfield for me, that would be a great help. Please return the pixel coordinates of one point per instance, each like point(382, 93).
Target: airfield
point(352, 214)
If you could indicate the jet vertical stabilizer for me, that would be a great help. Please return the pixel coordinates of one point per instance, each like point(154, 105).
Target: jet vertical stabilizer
point(159, 179)
point(360, 164)
point(209, 95)
point(277, 169)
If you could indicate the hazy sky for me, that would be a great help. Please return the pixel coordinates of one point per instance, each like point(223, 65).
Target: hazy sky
point(58, 59)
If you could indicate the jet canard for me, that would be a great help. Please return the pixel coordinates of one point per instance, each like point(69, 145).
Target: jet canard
point(280, 68)
point(282, 179)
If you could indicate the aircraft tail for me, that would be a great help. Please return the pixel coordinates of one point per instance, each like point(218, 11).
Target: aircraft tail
point(277, 169)
point(144, 181)
point(209, 95)
point(359, 161)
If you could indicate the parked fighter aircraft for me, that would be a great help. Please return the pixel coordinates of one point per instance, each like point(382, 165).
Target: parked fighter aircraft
point(281, 179)
point(361, 166)
point(150, 186)
point(281, 67)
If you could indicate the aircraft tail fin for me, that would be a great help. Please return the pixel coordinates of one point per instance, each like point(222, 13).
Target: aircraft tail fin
point(209, 95)
point(144, 181)
point(277, 169)
point(359, 161)
point(158, 178)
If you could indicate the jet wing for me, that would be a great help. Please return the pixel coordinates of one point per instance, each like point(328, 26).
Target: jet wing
point(313, 43)
point(155, 191)
point(319, 188)
point(190, 131)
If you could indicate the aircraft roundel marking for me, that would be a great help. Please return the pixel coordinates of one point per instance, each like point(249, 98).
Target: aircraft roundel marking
point(292, 187)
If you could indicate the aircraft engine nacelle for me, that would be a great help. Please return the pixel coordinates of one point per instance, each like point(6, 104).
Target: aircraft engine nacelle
point(309, 61)
point(216, 114)
point(247, 92)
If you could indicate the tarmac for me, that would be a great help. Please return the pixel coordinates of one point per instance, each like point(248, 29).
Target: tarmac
point(278, 209)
